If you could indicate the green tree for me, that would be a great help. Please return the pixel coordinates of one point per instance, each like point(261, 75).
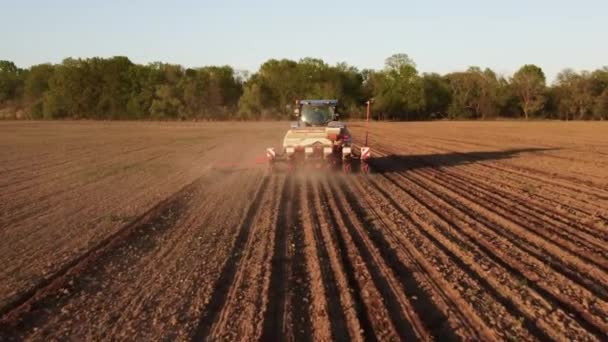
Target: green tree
point(250, 104)
point(116, 88)
point(437, 95)
point(599, 85)
point(506, 100)
point(144, 81)
point(397, 61)
point(529, 85)
point(490, 90)
point(577, 97)
point(166, 103)
point(475, 94)
point(398, 90)
point(116, 85)
point(37, 81)
point(271, 91)
point(462, 90)
point(35, 86)
point(194, 85)
point(599, 80)
point(10, 81)
point(282, 83)
point(600, 109)
point(62, 98)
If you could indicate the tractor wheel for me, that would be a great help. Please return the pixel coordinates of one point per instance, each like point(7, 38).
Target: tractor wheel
point(346, 167)
point(365, 167)
point(291, 167)
point(332, 162)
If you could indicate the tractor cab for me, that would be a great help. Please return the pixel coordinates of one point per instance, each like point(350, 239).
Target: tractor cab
point(316, 113)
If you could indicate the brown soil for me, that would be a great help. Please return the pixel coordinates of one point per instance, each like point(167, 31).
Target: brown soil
point(175, 231)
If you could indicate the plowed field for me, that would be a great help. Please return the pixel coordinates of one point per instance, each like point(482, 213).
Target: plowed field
point(175, 231)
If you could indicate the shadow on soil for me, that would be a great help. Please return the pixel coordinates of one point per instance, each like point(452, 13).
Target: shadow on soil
point(399, 163)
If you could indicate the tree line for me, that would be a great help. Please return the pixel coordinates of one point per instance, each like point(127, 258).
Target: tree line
point(116, 88)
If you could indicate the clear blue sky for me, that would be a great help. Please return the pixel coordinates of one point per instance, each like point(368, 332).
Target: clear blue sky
point(440, 35)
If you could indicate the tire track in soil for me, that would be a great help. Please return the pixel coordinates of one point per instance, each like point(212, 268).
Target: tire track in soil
point(582, 186)
point(242, 311)
point(560, 238)
point(591, 253)
point(407, 323)
point(299, 280)
point(84, 152)
point(435, 175)
point(433, 317)
point(365, 310)
point(542, 154)
point(481, 175)
point(78, 169)
point(591, 189)
point(340, 270)
point(227, 275)
point(581, 316)
point(325, 292)
point(274, 317)
point(30, 306)
point(427, 268)
point(476, 267)
point(537, 210)
point(557, 297)
point(484, 180)
point(160, 293)
point(486, 169)
point(389, 311)
point(287, 315)
point(20, 211)
point(569, 272)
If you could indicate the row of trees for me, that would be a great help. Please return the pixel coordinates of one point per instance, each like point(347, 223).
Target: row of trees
point(116, 88)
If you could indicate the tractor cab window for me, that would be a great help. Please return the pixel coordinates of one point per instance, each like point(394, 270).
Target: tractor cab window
point(317, 115)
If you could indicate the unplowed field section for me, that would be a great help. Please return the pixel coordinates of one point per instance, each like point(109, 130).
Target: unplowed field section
point(170, 231)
